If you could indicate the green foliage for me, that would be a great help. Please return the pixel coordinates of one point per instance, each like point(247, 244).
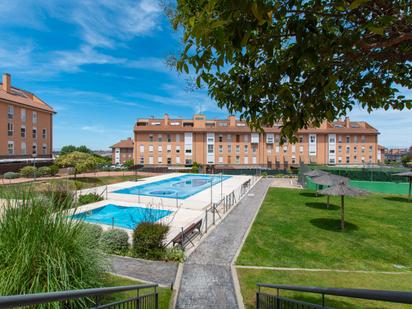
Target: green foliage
point(44, 171)
point(115, 241)
point(54, 169)
point(95, 231)
point(174, 254)
point(70, 148)
point(11, 175)
point(264, 174)
point(128, 163)
point(42, 250)
point(148, 240)
point(297, 62)
point(89, 198)
point(28, 171)
point(195, 168)
point(80, 161)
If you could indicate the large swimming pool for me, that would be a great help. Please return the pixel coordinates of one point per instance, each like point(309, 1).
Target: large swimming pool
point(180, 187)
point(122, 216)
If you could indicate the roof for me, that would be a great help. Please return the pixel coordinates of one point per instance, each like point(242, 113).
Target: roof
point(25, 98)
point(124, 143)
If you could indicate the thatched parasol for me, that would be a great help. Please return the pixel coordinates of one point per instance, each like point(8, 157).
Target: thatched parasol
point(342, 190)
point(315, 173)
point(329, 180)
point(409, 175)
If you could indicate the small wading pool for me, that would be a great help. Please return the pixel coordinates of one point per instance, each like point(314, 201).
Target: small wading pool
point(180, 187)
point(122, 216)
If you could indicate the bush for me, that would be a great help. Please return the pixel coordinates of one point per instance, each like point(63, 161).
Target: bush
point(44, 171)
point(11, 175)
point(148, 240)
point(174, 254)
point(115, 241)
point(42, 250)
point(54, 169)
point(89, 198)
point(95, 231)
point(28, 171)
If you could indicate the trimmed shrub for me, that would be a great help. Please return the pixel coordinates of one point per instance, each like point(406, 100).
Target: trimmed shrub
point(115, 241)
point(148, 240)
point(89, 198)
point(174, 254)
point(95, 231)
point(28, 171)
point(11, 175)
point(54, 169)
point(43, 250)
point(44, 171)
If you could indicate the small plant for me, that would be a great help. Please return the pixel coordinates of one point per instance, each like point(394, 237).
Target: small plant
point(115, 242)
point(95, 232)
point(128, 163)
point(89, 198)
point(28, 171)
point(195, 168)
point(148, 240)
point(174, 254)
point(44, 171)
point(54, 169)
point(11, 175)
point(264, 174)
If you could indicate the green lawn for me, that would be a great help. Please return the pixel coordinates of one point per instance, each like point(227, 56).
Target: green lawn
point(248, 279)
point(111, 281)
point(295, 229)
point(78, 184)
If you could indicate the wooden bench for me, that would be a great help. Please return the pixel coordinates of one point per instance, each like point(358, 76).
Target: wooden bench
point(187, 235)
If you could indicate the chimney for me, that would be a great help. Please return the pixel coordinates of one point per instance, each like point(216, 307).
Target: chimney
point(166, 119)
point(347, 122)
point(232, 120)
point(6, 82)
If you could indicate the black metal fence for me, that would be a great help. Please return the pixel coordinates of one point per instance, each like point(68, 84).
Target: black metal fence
point(266, 300)
point(143, 296)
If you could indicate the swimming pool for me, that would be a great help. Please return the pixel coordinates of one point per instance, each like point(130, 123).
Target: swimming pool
point(180, 187)
point(122, 216)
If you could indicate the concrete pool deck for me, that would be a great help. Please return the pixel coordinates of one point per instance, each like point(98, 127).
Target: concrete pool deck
point(184, 211)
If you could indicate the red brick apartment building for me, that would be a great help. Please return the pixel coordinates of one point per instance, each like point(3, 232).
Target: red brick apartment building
point(26, 125)
point(230, 142)
point(122, 151)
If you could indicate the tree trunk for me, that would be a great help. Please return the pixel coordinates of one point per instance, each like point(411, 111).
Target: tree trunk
point(342, 213)
point(410, 188)
point(327, 204)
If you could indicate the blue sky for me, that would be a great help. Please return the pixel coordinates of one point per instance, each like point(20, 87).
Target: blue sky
point(101, 65)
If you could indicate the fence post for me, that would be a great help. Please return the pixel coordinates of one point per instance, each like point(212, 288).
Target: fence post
point(214, 211)
point(206, 222)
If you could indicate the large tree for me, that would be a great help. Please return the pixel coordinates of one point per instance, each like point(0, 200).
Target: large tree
point(298, 62)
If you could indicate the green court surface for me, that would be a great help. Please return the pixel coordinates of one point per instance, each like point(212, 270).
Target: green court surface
point(373, 186)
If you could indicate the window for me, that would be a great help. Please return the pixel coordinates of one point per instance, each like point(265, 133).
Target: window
point(277, 149)
point(254, 148)
point(245, 149)
point(312, 139)
point(246, 138)
point(10, 112)
point(177, 149)
point(301, 139)
point(169, 161)
point(237, 148)
point(151, 138)
point(347, 139)
point(159, 148)
point(44, 149)
point(34, 149)
point(339, 160)
point(347, 149)
point(332, 139)
point(159, 138)
point(44, 133)
point(220, 160)
point(169, 148)
point(188, 161)
point(229, 137)
point(355, 139)
point(293, 148)
point(177, 160)
point(141, 148)
point(269, 148)
point(23, 148)
point(339, 138)
point(339, 149)
point(355, 159)
point(220, 138)
point(363, 139)
point(23, 115)
point(237, 138)
point(363, 149)
point(9, 129)
point(210, 148)
point(246, 160)
point(159, 160)
point(370, 148)
point(301, 149)
point(23, 131)
point(229, 148)
point(10, 148)
point(34, 117)
point(150, 148)
point(150, 160)
point(355, 149)
point(169, 139)
point(347, 160)
point(177, 138)
point(220, 148)
point(141, 160)
point(237, 159)
point(34, 133)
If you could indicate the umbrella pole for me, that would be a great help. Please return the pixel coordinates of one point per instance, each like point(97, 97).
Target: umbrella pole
point(327, 204)
point(316, 193)
point(342, 213)
point(410, 188)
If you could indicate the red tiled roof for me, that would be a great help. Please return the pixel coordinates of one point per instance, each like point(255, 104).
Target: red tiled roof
point(24, 98)
point(124, 143)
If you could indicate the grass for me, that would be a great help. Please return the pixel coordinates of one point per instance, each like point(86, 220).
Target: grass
point(72, 184)
point(165, 294)
point(249, 277)
point(295, 229)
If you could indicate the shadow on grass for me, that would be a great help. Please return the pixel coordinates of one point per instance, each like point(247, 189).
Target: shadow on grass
point(396, 199)
point(320, 205)
point(333, 225)
point(310, 194)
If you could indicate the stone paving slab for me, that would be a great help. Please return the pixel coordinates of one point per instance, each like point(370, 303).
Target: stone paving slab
point(159, 272)
point(207, 281)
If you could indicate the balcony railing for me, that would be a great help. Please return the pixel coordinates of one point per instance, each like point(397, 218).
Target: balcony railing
point(145, 297)
point(274, 300)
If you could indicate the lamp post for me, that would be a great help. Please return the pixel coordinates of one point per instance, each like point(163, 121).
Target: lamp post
point(221, 186)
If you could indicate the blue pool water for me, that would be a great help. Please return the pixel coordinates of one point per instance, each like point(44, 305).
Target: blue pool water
point(181, 187)
point(120, 216)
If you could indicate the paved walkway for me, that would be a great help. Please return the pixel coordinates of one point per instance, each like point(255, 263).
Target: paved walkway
point(162, 273)
point(207, 279)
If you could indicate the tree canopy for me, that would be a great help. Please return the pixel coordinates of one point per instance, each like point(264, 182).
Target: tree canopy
point(80, 161)
point(297, 62)
point(70, 148)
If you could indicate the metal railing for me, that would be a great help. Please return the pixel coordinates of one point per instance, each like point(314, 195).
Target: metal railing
point(275, 301)
point(145, 297)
